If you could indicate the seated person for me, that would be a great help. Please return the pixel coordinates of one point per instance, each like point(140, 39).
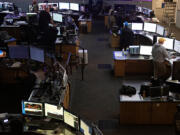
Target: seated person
point(127, 37)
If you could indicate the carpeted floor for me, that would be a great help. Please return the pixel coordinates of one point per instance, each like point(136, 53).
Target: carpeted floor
point(97, 97)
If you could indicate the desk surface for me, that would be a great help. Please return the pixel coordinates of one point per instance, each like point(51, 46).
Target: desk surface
point(118, 55)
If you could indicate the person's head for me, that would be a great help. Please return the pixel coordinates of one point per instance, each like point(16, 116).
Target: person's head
point(34, 1)
point(125, 24)
point(161, 40)
point(47, 9)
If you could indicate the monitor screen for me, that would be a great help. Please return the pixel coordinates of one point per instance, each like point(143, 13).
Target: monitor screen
point(53, 111)
point(85, 128)
point(134, 50)
point(137, 26)
point(146, 50)
point(19, 52)
point(42, 6)
point(32, 108)
point(160, 30)
point(57, 17)
point(63, 5)
point(74, 6)
point(53, 6)
point(71, 120)
point(150, 27)
point(82, 8)
point(168, 44)
point(2, 53)
point(177, 46)
point(37, 54)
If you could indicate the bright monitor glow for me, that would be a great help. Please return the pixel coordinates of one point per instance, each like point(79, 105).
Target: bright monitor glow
point(32, 108)
point(71, 120)
point(160, 30)
point(177, 46)
point(85, 128)
point(168, 44)
point(74, 6)
point(146, 50)
point(53, 111)
point(63, 5)
point(19, 52)
point(2, 53)
point(150, 27)
point(137, 26)
point(57, 17)
point(37, 54)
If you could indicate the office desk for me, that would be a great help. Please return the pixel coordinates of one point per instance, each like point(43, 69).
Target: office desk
point(14, 31)
point(126, 65)
point(136, 110)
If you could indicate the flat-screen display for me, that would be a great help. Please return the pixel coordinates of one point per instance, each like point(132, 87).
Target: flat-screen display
point(37, 54)
point(85, 128)
point(177, 46)
point(74, 6)
point(150, 27)
point(63, 5)
point(146, 50)
point(82, 8)
point(53, 111)
point(32, 108)
point(160, 30)
point(134, 50)
point(41, 6)
point(137, 26)
point(59, 31)
point(168, 44)
point(18, 52)
point(71, 120)
point(2, 53)
point(53, 6)
point(57, 17)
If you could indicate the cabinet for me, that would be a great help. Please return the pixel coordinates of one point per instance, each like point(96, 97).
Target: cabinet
point(147, 112)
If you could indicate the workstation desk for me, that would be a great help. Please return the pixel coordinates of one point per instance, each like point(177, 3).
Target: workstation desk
point(85, 21)
point(138, 65)
point(139, 110)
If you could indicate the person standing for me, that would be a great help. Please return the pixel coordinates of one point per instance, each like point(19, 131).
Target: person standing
point(35, 7)
point(160, 55)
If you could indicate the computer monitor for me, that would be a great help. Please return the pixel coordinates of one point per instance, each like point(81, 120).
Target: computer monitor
point(57, 17)
point(168, 44)
point(150, 27)
point(71, 119)
point(82, 8)
point(85, 128)
point(160, 30)
point(177, 46)
point(63, 5)
point(53, 6)
point(41, 6)
point(53, 111)
point(137, 26)
point(36, 54)
point(32, 108)
point(18, 52)
point(74, 6)
point(134, 49)
point(3, 54)
point(1, 5)
point(146, 50)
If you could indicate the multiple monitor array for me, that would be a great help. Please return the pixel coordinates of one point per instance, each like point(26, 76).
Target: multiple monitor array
point(58, 113)
point(148, 27)
point(6, 5)
point(170, 44)
point(62, 5)
point(23, 52)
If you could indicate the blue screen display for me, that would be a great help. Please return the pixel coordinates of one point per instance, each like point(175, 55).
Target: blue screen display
point(19, 52)
point(37, 54)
